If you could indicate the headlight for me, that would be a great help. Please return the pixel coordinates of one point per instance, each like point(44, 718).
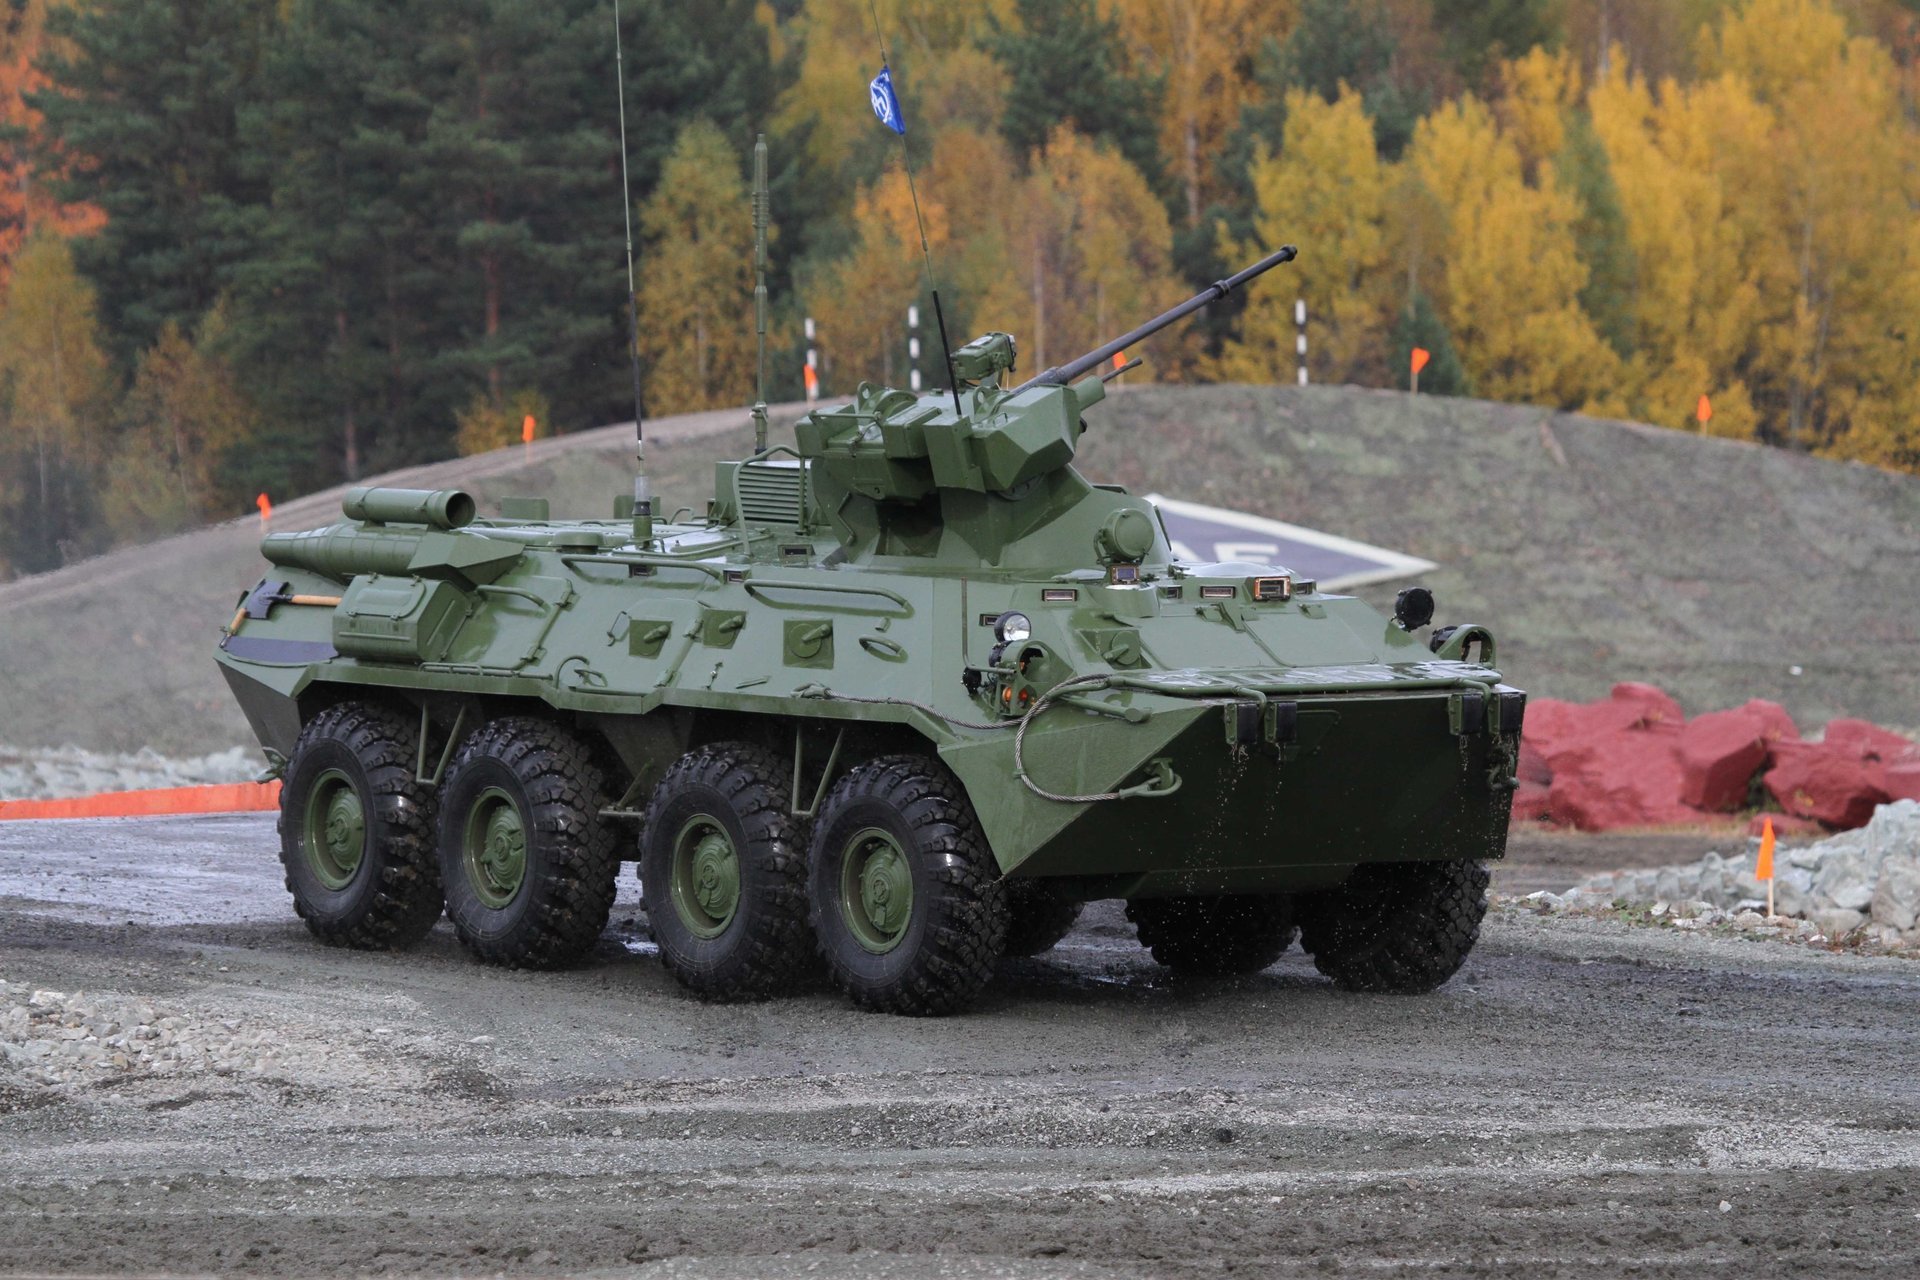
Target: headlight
point(1012, 628)
point(1413, 608)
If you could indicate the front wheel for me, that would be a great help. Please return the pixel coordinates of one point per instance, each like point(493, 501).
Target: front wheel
point(905, 902)
point(1396, 927)
point(356, 830)
point(528, 862)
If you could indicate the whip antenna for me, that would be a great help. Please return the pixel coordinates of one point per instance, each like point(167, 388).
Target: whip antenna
point(761, 201)
point(926, 255)
point(642, 492)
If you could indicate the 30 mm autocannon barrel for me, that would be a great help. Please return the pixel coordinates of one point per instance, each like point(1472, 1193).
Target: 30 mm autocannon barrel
point(1061, 375)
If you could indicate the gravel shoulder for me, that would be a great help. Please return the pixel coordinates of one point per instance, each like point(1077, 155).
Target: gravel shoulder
point(1586, 1099)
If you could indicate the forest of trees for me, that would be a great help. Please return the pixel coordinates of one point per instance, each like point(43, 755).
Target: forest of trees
point(251, 246)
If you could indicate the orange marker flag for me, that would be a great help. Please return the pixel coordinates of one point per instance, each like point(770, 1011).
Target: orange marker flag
point(1119, 359)
point(1703, 412)
point(1763, 868)
point(527, 427)
point(812, 380)
point(266, 509)
point(1420, 358)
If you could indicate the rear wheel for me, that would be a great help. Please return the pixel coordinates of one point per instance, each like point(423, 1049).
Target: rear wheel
point(356, 830)
point(723, 866)
point(906, 903)
point(1038, 916)
point(1399, 927)
point(528, 862)
point(1214, 936)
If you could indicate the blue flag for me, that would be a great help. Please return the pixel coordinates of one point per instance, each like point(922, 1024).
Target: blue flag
point(886, 104)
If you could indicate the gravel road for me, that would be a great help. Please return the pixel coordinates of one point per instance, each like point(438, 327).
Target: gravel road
point(1586, 1099)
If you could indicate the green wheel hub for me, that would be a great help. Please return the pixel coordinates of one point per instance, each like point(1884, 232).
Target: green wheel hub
point(495, 848)
point(706, 877)
point(876, 890)
point(335, 830)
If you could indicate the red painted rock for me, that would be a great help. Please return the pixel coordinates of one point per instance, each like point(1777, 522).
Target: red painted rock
point(1870, 742)
point(1550, 722)
point(1628, 778)
point(1631, 706)
point(1720, 753)
point(1533, 763)
point(1784, 824)
point(1826, 782)
point(1531, 802)
point(1655, 705)
point(1777, 724)
point(1903, 780)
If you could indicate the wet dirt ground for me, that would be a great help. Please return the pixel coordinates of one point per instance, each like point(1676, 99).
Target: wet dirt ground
point(1586, 1099)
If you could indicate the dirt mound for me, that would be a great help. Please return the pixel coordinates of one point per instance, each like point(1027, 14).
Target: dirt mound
point(1598, 551)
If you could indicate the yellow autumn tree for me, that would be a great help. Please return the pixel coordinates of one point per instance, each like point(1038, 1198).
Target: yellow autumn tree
point(1538, 90)
point(696, 278)
point(943, 72)
point(1203, 51)
point(1509, 273)
point(1088, 255)
point(53, 375)
point(860, 302)
point(1694, 262)
point(487, 423)
point(1835, 193)
point(184, 414)
point(1327, 192)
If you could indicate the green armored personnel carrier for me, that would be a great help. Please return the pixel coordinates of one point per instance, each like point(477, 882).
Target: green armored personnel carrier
point(909, 693)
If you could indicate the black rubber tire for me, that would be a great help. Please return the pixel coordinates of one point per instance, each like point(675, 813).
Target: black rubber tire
point(956, 927)
point(1037, 917)
point(766, 945)
point(393, 897)
point(1397, 927)
point(557, 789)
point(1216, 936)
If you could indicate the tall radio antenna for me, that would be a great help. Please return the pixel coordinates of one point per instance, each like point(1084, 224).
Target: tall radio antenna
point(642, 492)
point(926, 255)
point(761, 201)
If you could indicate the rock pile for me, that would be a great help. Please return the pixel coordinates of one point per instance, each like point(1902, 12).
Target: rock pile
point(1634, 760)
point(1863, 883)
point(60, 1038)
point(52, 773)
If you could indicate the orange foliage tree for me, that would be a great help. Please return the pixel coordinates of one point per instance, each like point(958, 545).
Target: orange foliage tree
point(25, 201)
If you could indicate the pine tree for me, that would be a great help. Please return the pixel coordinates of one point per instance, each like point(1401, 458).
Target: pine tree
point(1068, 68)
point(1480, 33)
point(141, 119)
point(1419, 325)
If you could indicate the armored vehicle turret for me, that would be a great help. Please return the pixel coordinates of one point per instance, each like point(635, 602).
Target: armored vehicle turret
point(909, 693)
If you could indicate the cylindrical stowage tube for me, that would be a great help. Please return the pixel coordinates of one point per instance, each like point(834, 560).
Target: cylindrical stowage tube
point(435, 508)
point(340, 553)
